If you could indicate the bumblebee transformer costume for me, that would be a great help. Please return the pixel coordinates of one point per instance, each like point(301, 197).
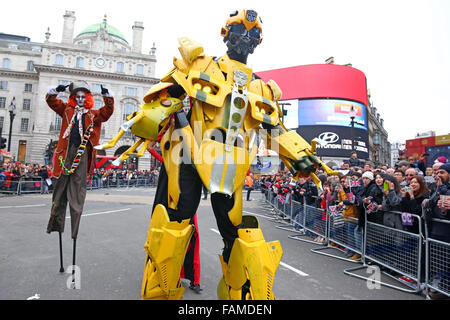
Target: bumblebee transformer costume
point(229, 106)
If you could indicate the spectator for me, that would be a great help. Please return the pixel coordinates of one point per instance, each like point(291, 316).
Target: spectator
point(353, 160)
point(347, 202)
point(412, 201)
point(371, 197)
point(433, 185)
point(409, 174)
point(249, 185)
point(438, 207)
point(403, 165)
point(441, 160)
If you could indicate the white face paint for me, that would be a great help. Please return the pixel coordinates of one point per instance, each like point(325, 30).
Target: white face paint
point(80, 98)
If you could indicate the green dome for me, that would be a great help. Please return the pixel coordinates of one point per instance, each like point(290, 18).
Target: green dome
point(109, 29)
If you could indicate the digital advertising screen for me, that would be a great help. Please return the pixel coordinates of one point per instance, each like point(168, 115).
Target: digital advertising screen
point(331, 112)
point(339, 141)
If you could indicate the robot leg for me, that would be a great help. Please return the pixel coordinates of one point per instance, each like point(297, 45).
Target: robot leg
point(166, 247)
point(250, 271)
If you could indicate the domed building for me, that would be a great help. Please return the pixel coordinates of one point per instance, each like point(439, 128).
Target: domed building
point(99, 54)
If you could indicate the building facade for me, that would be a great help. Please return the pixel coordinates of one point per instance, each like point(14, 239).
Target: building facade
point(379, 146)
point(99, 55)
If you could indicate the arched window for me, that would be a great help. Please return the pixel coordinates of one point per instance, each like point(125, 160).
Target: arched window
point(128, 109)
point(59, 59)
point(6, 63)
point(80, 62)
point(120, 67)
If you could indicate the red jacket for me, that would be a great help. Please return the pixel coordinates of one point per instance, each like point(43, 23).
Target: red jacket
point(66, 112)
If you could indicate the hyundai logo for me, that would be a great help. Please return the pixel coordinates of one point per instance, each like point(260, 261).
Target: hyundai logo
point(328, 137)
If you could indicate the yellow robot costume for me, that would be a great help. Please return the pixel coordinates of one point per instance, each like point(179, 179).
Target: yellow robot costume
point(215, 144)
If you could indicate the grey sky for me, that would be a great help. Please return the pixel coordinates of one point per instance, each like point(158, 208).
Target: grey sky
point(402, 46)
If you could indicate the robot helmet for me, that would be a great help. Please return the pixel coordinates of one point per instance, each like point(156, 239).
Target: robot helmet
point(242, 31)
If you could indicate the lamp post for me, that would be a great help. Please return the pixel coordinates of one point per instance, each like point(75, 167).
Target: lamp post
point(352, 114)
point(12, 114)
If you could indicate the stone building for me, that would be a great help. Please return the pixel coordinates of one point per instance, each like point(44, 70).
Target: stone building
point(379, 146)
point(99, 54)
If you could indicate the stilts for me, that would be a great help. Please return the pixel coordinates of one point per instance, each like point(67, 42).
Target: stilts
point(73, 263)
point(61, 268)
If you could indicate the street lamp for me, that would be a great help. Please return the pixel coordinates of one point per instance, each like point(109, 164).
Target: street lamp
point(352, 114)
point(12, 114)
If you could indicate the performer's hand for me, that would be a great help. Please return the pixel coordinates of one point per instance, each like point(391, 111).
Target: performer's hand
point(61, 88)
point(104, 90)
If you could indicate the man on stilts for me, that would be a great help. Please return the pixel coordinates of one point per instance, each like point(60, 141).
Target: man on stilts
point(74, 155)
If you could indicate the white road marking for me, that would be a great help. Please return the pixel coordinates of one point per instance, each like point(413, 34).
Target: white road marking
point(299, 272)
point(294, 269)
point(259, 215)
point(104, 212)
point(24, 206)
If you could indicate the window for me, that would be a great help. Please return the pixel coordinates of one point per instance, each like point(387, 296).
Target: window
point(131, 92)
point(3, 85)
point(24, 125)
point(2, 122)
point(6, 63)
point(80, 62)
point(98, 103)
point(28, 87)
point(27, 104)
point(2, 102)
point(128, 109)
point(97, 88)
point(59, 59)
point(58, 122)
point(120, 67)
point(376, 138)
point(140, 69)
point(30, 65)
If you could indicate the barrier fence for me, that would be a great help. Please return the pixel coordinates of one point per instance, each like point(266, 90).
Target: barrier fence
point(39, 185)
point(408, 256)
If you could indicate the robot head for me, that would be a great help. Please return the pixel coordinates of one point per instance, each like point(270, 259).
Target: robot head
point(242, 32)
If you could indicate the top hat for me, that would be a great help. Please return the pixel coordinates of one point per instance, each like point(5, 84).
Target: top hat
point(78, 85)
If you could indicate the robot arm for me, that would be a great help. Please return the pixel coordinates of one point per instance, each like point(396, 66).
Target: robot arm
point(297, 154)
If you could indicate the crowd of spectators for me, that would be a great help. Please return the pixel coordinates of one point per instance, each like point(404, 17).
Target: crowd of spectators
point(379, 193)
point(33, 176)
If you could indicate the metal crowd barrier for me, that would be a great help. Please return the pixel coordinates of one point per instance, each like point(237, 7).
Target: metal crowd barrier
point(394, 249)
point(312, 221)
point(437, 264)
point(399, 253)
point(344, 232)
point(38, 185)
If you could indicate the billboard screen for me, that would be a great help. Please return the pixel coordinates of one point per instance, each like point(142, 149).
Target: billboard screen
point(331, 112)
point(339, 140)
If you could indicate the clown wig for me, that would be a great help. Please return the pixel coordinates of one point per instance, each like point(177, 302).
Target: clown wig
point(89, 104)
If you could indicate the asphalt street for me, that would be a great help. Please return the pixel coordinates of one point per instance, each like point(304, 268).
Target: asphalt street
point(110, 253)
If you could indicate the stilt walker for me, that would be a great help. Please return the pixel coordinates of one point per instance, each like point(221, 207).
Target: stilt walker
point(74, 155)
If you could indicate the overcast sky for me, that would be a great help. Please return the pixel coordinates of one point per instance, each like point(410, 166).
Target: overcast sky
point(402, 46)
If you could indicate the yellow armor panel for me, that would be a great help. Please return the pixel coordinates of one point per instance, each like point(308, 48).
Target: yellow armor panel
point(166, 246)
point(154, 114)
point(251, 259)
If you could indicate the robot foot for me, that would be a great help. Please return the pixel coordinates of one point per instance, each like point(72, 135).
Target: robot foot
point(166, 246)
point(250, 271)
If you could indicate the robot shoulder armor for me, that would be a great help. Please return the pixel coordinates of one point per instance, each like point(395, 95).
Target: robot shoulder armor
point(190, 50)
point(269, 90)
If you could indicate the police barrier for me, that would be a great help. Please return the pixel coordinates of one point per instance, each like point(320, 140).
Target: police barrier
point(437, 272)
point(313, 223)
point(396, 250)
point(39, 185)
